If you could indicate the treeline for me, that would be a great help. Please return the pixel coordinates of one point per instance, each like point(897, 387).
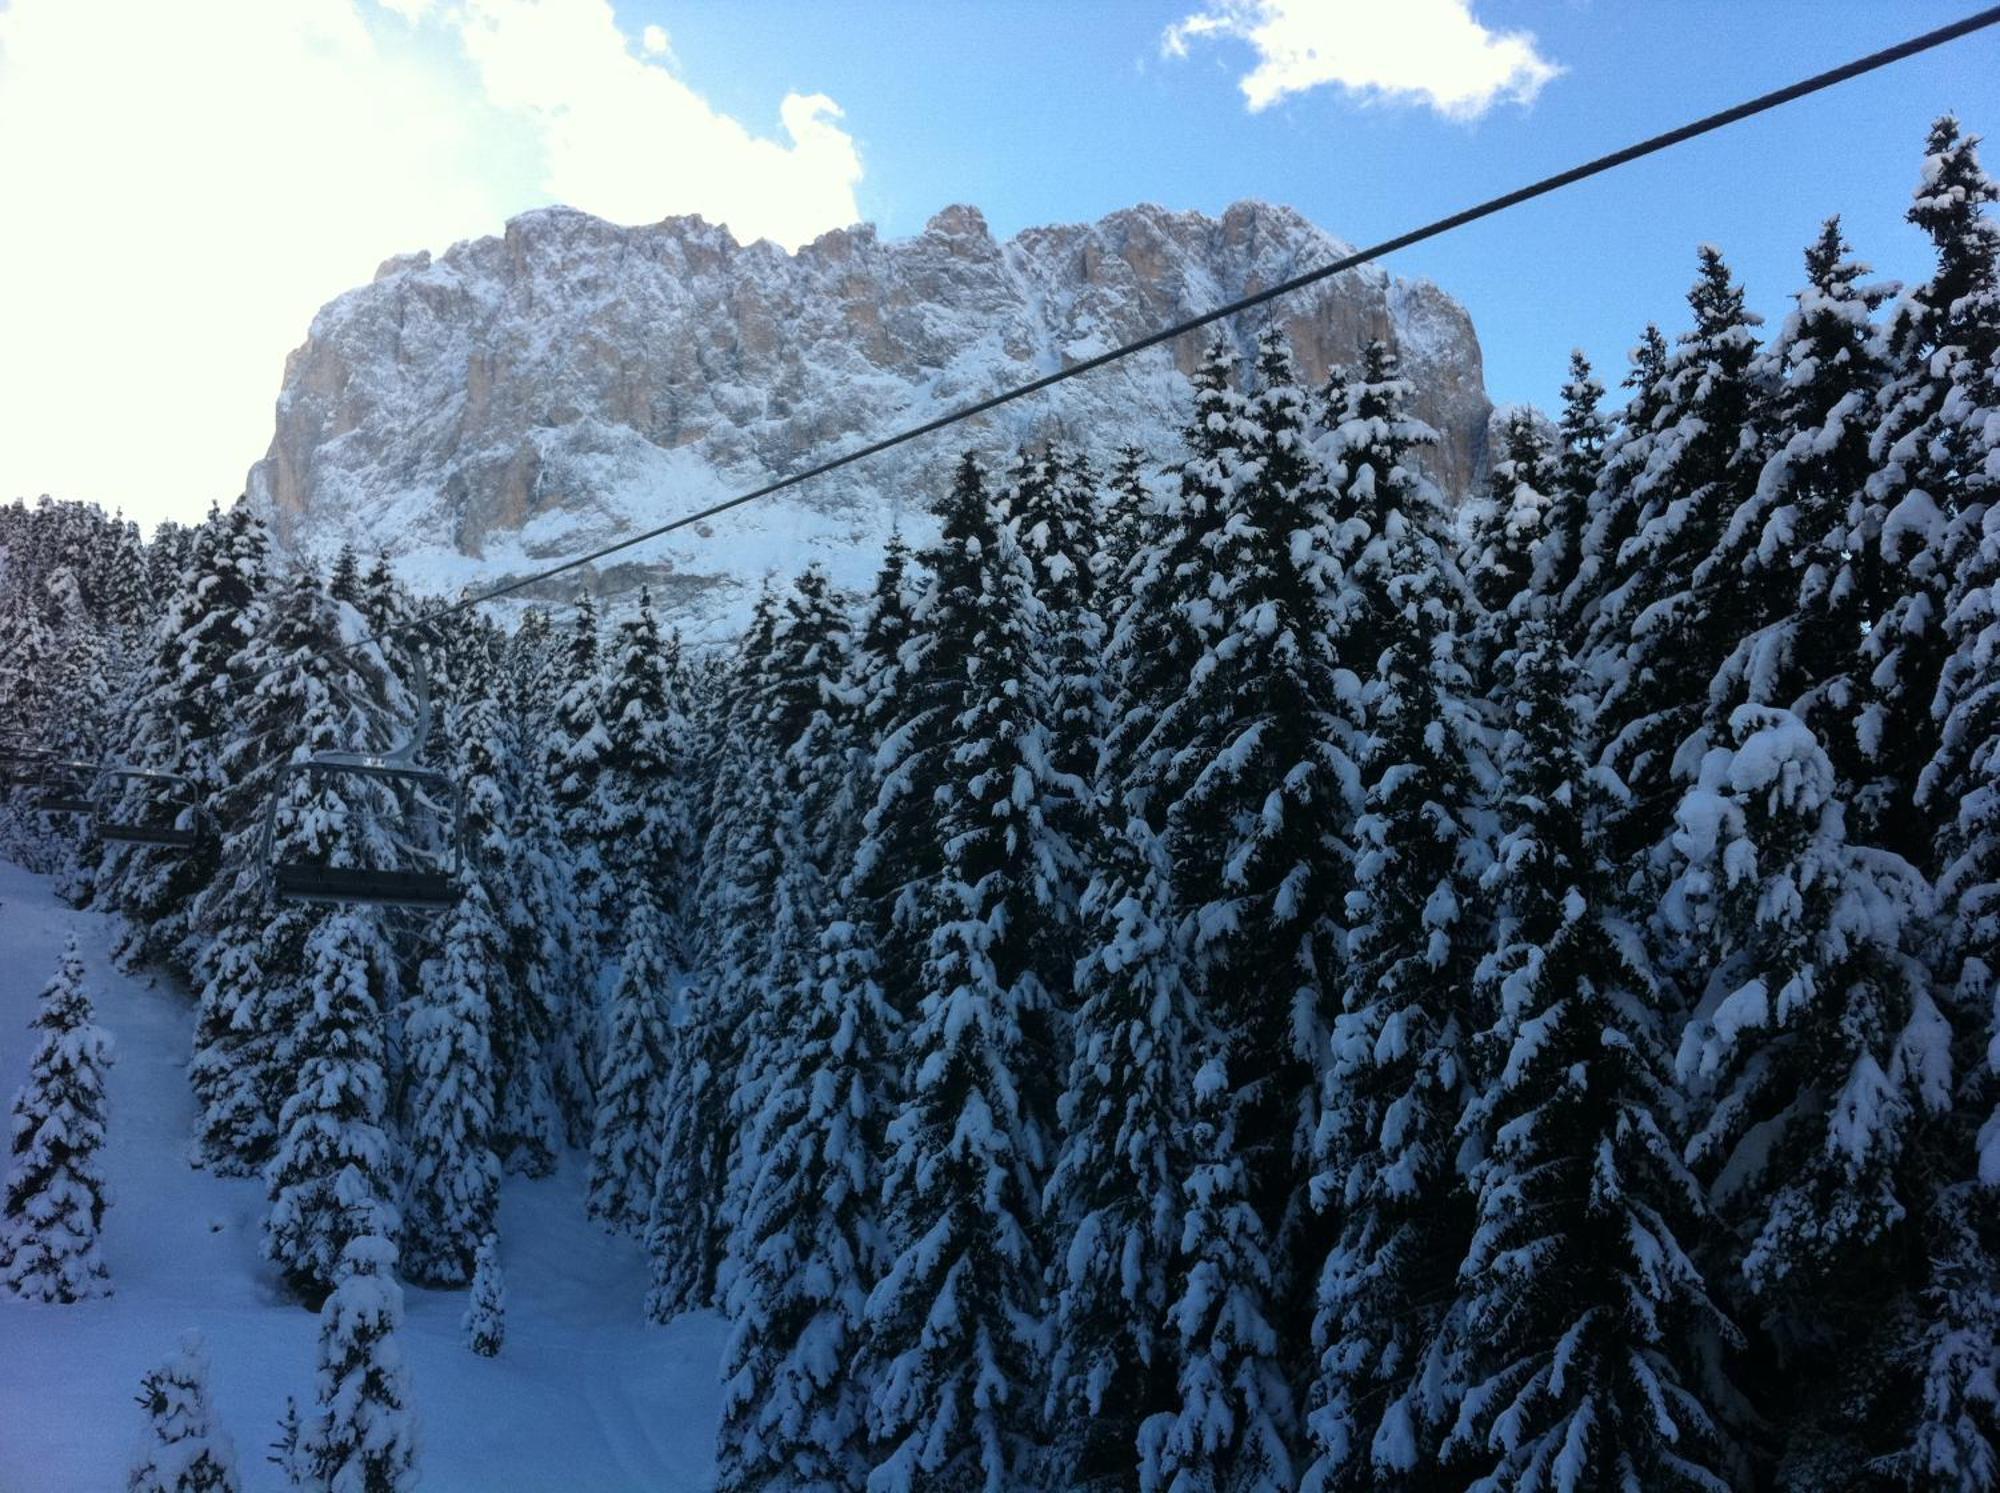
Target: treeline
point(1217, 975)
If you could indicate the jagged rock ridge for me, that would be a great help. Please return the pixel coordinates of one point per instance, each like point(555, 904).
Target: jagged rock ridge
point(526, 397)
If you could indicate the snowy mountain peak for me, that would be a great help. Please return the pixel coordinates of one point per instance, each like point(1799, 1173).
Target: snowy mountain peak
point(523, 397)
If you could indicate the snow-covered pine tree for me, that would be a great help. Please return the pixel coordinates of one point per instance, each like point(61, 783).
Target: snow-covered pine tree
point(1507, 526)
point(1921, 510)
point(451, 1186)
point(252, 960)
point(1946, 1417)
point(1955, 1430)
point(1611, 514)
point(1586, 1339)
point(508, 950)
point(182, 1449)
point(625, 1144)
point(550, 963)
point(56, 1195)
point(287, 1452)
point(950, 1340)
point(1790, 544)
point(1582, 432)
point(641, 833)
point(1671, 618)
point(1388, 1167)
point(576, 745)
point(29, 658)
point(1165, 621)
point(685, 1234)
point(1819, 1057)
point(1123, 521)
point(485, 1323)
point(1506, 534)
point(1259, 841)
point(788, 874)
point(332, 1175)
point(363, 1435)
point(806, 1243)
point(686, 1231)
point(1056, 523)
point(187, 708)
point(123, 587)
point(1114, 1198)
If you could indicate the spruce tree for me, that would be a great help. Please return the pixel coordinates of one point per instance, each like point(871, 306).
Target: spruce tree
point(331, 1177)
point(808, 1236)
point(1790, 544)
point(1670, 617)
point(686, 1226)
point(1124, 519)
point(806, 1244)
point(452, 1187)
point(485, 1323)
point(1558, 553)
point(1819, 1058)
point(576, 747)
point(182, 1450)
point(1259, 839)
point(364, 1433)
point(950, 1341)
point(1611, 514)
point(625, 1142)
point(639, 829)
point(1114, 1195)
point(785, 800)
point(1586, 1337)
point(248, 974)
point(1507, 530)
point(56, 1195)
point(288, 1451)
point(185, 715)
point(1055, 521)
point(1940, 342)
point(1396, 1086)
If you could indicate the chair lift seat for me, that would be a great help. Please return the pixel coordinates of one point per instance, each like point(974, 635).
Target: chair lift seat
point(305, 882)
point(141, 834)
point(61, 803)
point(162, 828)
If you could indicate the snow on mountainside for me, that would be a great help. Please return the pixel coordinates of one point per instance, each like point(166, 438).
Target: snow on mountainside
point(585, 1395)
point(526, 397)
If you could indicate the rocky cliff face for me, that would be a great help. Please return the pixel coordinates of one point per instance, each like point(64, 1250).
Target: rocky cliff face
point(526, 397)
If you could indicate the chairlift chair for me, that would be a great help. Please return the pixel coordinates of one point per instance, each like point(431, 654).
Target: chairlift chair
point(430, 884)
point(63, 787)
point(179, 823)
point(20, 764)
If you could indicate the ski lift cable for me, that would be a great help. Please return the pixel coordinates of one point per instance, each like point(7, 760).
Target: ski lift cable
point(1653, 145)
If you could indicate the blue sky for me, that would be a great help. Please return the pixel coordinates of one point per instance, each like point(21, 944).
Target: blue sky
point(1044, 112)
point(200, 179)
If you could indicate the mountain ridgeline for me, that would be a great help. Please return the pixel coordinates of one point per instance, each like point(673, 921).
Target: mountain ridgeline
point(526, 397)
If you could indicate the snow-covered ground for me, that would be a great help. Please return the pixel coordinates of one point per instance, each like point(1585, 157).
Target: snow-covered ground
point(586, 1395)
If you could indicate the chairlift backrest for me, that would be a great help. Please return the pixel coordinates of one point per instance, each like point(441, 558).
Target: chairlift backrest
point(178, 824)
point(20, 765)
point(431, 886)
point(63, 787)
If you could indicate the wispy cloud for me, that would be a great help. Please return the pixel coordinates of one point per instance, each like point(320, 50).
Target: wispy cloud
point(1431, 53)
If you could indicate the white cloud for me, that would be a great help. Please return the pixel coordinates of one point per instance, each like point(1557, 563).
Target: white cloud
point(656, 42)
point(628, 140)
point(182, 196)
point(1428, 52)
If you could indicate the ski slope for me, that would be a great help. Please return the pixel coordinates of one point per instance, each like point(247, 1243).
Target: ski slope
point(586, 1396)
